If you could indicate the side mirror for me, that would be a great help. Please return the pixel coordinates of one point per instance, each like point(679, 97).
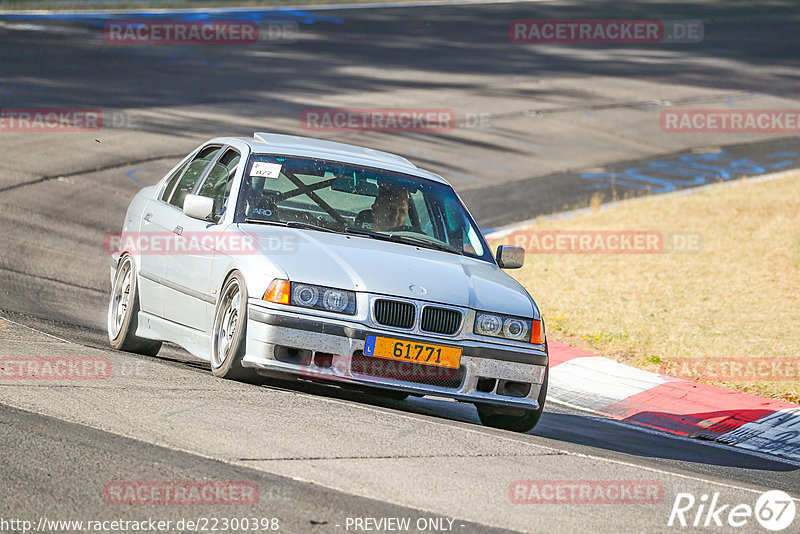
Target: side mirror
point(198, 207)
point(510, 257)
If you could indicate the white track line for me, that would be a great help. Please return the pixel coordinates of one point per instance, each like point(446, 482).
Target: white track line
point(481, 431)
point(577, 454)
point(35, 330)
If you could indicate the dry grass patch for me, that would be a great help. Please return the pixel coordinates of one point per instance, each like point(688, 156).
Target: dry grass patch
point(738, 298)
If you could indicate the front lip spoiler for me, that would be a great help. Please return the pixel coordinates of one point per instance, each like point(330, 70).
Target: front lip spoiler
point(281, 370)
point(323, 327)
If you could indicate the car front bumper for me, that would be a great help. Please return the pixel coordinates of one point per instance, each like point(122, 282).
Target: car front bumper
point(289, 344)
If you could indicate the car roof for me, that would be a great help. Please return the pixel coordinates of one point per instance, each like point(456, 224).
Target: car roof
point(294, 145)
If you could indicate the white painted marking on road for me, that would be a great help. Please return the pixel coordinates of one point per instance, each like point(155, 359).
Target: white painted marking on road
point(578, 454)
point(43, 28)
point(496, 434)
point(35, 330)
point(678, 475)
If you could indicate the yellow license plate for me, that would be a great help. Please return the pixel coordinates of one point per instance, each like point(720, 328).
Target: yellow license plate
point(412, 351)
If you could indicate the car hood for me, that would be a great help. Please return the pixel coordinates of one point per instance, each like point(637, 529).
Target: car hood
point(361, 263)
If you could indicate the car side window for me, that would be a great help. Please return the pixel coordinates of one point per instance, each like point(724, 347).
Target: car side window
point(193, 173)
point(217, 184)
point(173, 179)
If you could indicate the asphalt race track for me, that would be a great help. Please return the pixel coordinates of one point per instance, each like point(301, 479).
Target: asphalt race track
point(537, 128)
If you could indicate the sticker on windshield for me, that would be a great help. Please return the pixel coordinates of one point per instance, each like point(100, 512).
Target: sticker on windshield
point(265, 169)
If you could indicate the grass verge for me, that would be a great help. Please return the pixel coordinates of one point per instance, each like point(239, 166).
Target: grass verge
point(727, 314)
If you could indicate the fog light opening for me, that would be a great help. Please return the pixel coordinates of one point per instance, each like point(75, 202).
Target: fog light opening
point(293, 355)
point(323, 359)
point(486, 385)
point(507, 388)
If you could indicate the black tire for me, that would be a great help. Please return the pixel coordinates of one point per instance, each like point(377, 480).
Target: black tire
point(516, 422)
point(229, 332)
point(123, 312)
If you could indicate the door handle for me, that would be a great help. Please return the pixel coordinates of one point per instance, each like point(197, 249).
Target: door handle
point(148, 217)
point(178, 230)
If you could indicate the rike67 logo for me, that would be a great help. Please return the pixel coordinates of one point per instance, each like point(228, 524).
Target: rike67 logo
point(774, 510)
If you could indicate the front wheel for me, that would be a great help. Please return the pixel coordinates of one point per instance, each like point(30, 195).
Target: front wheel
point(230, 331)
point(123, 312)
point(515, 420)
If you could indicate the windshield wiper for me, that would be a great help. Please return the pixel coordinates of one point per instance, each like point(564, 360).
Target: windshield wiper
point(408, 240)
point(424, 243)
point(309, 226)
point(292, 224)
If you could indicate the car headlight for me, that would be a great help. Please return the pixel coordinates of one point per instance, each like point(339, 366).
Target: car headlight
point(506, 327)
point(305, 295)
point(311, 296)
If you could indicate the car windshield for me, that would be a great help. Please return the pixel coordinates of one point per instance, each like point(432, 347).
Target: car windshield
point(364, 201)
